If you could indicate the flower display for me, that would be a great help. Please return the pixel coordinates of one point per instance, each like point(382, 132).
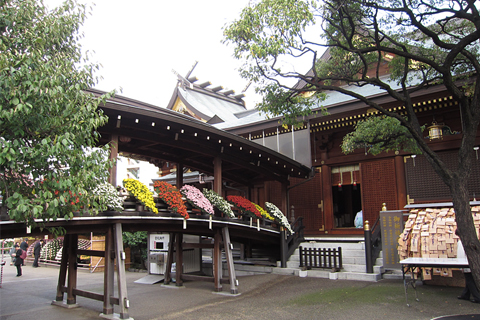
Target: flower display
point(51, 248)
point(172, 197)
point(108, 197)
point(245, 206)
point(218, 202)
point(141, 193)
point(196, 198)
point(263, 212)
point(278, 215)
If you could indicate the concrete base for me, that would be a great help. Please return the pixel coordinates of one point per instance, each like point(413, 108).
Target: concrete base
point(64, 304)
point(172, 286)
point(225, 293)
point(113, 316)
point(333, 276)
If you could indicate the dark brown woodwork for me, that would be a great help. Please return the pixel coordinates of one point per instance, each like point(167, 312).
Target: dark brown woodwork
point(108, 278)
point(401, 183)
point(62, 275)
point(217, 175)
point(72, 268)
point(179, 259)
point(168, 269)
point(112, 177)
point(327, 198)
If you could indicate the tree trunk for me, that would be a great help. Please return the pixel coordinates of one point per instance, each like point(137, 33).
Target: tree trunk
point(466, 227)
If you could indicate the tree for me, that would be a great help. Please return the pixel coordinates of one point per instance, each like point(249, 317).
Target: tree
point(424, 43)
point(137, 241)
point(47, 121)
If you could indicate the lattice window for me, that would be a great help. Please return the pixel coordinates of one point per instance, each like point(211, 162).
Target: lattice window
point(424, 185)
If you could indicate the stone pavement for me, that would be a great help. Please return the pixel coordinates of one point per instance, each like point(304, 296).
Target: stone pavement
point(262, 297)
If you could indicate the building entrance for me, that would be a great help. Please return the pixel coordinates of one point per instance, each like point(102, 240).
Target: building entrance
point(347, 201)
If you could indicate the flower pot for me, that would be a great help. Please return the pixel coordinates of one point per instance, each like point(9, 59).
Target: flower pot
point(140, 207)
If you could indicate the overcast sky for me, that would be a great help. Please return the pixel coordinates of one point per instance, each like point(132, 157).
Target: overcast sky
point(140, 42)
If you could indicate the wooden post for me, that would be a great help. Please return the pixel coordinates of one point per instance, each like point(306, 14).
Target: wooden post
point(179, 175)
point(283, 196)
point(62, 276)
point(228, 253)
point(401, 183)
point(168, 267)
point(113, 157)
point(217, 175)
point(217, 261)
point(108, 273)
point(179, 260)
point(327, 197)
point(121, 277)
point(72, 268)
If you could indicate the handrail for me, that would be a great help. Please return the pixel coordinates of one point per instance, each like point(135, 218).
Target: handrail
point(373, 244)
point(290, 243)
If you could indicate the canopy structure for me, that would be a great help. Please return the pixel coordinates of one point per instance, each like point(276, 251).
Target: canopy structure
point(155, 134)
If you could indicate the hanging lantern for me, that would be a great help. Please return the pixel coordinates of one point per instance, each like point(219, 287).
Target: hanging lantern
point(435, 131)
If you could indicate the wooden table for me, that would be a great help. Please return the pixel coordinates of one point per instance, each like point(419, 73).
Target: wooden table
point(409, 264)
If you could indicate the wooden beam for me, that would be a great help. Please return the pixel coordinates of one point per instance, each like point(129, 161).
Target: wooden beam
point(168, 268)
point(113, 157)
point(72, 268)
point(121, 277)
point(227, 245)
point(217, 175)
point(93, 253)
point(108, 273)
point(179, 259)
point(217, 261)
point(62, 275)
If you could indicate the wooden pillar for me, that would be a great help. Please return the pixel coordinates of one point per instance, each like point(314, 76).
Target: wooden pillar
point(228, 253)
point(284, 198)
point(168, 267)
point(62, 275)
point(179, 259)
point(217, 261)
point(108, 273)
point(401, 183)
point(217, 175)
point(121, 277)
point(179, 176)
point(113, 157)
point(327, 198)
point(72, 268)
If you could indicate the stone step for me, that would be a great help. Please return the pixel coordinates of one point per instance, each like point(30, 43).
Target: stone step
point(334, 245)
point(361, 268)
point(359, 276)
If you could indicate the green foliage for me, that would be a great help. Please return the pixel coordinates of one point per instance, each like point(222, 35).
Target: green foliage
point(383, 45)
point(135, 239)
point(377, 134)
point(278, 101)
point(47, 120)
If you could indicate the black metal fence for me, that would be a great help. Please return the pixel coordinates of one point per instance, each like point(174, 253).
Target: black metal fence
point(326, 258)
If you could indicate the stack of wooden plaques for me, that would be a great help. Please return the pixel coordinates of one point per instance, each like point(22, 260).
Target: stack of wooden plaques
point(430, 233)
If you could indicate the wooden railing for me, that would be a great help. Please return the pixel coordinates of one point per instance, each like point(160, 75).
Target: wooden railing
point(326, 258)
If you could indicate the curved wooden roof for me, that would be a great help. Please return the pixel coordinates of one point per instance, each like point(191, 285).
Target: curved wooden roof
point(157, 134)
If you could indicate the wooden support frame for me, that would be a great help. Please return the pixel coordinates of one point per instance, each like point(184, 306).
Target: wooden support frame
point(176, 246)
point(68, 272)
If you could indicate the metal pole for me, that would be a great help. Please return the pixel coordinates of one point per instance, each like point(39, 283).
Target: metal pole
point(368, 246)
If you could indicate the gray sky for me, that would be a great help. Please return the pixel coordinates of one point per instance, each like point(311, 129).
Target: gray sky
point(140, 42)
